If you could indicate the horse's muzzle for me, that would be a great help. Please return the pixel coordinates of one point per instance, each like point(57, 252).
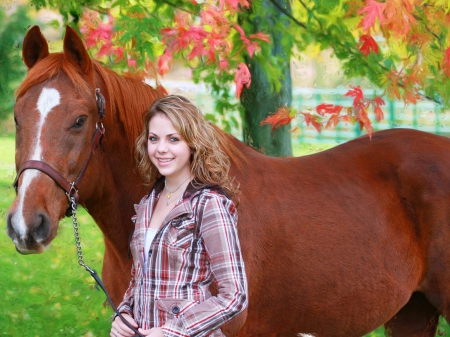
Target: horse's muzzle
point(29, 236)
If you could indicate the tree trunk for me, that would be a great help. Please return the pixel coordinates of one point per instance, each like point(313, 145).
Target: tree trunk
point(261, 99)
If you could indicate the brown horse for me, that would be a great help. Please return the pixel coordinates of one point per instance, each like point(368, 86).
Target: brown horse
point(335, 244)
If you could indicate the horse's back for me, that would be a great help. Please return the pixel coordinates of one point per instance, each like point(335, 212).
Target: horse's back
point(353, 229)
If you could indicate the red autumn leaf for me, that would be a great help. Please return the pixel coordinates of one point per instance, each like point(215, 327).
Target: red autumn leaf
point(379, 115)
point(223, 64)
point(411, 96)
point(364, 121)
point(132, 63)
point(378, 103)
point(324, 108)
point(357, 93)
point(398, 17)
point(105, 49)
point(446, 63)
point(163, 63)
point(312, 119)
point(233, 5)
point(261, 36)
point(280, 118)
point(242, 77)
point(251, 46)
point(182, 19)
point(332, 121)
point(97, 33)
point(118, 53)
point(374, 10)
point(241, 32)
point(346, 118)
point(367, 44)
point(214, 17)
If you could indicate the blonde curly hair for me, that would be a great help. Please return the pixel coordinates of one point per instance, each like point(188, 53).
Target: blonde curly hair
point(209, 163)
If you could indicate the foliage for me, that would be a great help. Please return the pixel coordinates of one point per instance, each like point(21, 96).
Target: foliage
point(12, 69)
point(401, 46)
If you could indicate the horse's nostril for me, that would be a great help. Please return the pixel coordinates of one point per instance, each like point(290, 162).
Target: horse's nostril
point(41, 230)
point(10, 229)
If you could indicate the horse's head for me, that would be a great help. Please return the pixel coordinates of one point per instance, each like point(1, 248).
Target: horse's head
point(56, 114)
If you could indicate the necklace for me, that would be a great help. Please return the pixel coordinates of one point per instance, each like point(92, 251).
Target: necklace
point(169, 192)
point(169, 202)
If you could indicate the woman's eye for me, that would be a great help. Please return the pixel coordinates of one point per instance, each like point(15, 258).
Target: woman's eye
point(174, 139)
point(79, 122)
point(152, 139)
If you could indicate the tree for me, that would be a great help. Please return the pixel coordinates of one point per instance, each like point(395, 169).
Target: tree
point(401, 46)
point(12, 32)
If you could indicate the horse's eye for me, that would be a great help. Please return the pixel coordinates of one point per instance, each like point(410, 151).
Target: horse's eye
point(79, 122)
point(15, 121)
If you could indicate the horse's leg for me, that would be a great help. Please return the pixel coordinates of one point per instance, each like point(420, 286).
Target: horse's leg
point(418, 318)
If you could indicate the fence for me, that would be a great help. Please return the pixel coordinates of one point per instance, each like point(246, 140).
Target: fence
point(424, 115)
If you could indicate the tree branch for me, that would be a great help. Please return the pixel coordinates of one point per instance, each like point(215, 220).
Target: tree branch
point(418, 18)
point(282, 10)
point(310, 11)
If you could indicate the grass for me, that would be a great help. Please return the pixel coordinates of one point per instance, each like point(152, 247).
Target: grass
point(50, 294)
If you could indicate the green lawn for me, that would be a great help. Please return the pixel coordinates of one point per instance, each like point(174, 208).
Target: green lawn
point(50, 294)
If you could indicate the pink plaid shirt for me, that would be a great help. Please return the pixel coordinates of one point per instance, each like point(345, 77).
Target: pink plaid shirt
point(196, 245)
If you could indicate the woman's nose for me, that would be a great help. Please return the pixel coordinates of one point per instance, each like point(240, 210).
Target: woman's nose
point(162, 147)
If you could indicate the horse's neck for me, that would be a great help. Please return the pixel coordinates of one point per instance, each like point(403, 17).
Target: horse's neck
point(111, 205)
point(120, 187)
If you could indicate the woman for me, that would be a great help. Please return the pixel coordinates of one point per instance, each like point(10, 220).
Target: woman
point(185, 233)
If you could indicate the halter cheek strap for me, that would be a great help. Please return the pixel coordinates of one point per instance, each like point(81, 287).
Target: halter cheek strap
point(71, 189)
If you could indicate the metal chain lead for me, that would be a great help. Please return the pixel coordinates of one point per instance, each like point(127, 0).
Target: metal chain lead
point(73, 205)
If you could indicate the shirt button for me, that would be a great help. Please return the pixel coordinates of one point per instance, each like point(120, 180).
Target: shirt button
point(175, 310)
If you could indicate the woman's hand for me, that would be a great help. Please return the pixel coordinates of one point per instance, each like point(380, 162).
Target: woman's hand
point(155, 332)
point(119, 328)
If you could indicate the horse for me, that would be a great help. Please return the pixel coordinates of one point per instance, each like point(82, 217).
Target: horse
point(336, 243)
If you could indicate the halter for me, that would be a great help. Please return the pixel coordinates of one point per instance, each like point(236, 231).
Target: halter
point(71, 189)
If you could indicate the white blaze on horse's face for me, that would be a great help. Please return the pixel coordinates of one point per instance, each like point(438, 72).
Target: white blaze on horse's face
point(48, 99)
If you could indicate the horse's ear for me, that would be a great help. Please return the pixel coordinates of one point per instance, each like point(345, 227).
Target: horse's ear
point(35, 47)
point(75, 51)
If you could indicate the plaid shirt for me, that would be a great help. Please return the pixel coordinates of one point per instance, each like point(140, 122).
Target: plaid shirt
point(196, 245)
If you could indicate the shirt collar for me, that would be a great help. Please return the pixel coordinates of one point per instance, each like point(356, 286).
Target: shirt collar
point(194, 187)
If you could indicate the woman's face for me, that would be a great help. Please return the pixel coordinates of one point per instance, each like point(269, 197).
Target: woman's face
point(167, 150)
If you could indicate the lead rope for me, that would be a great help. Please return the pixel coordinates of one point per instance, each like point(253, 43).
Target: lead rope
point(73, 206)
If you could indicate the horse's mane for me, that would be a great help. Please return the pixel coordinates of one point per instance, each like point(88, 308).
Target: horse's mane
point(128, 97)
